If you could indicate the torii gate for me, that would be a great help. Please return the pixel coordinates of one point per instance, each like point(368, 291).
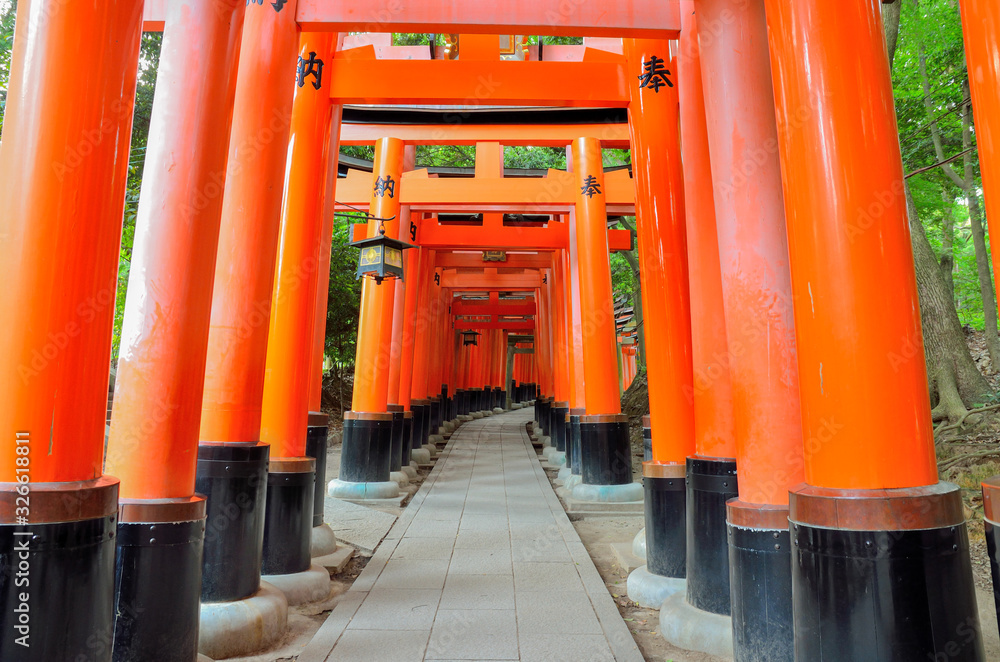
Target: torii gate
point(788, 229)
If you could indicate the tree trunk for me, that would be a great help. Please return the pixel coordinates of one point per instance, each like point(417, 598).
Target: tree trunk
point(979, 240)
point(948, 243)
point(890, 24)
point(955, 382)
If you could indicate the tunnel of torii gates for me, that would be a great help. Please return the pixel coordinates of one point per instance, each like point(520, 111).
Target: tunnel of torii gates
point(791, 476)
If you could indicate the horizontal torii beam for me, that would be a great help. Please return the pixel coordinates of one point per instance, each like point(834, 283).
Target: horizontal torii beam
point(552, 237)
point(612, 136)
point(553, 194)
point(503, 308)
point(475, 82)
point(490, 279)
point(514, 260)
point(620, 18)
point(590, 18)
point(465, 325)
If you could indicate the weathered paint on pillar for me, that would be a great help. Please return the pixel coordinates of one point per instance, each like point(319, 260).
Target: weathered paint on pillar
point(153, 443)
point(711, 392)
point(659, 206)
point(752, 249)
point(251, 214)
point(865, 408)
point(63, 168)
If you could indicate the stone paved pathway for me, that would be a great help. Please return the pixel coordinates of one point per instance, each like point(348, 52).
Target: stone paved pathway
point(482, 565)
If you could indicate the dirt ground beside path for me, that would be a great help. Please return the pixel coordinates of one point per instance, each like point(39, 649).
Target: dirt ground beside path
point(597, 534)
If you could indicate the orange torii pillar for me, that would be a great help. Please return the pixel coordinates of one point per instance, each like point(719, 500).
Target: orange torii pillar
point(364, 464)
point(560, 363)
point(981, 29)
point(423, 328)
point(711, 469)
point(881, 567)
point(543, 334)
point(63, 167)
point(659, 199)
point(443, 357)
point(153, 442)
point(606, 455)
point(287, 424)
point(243, 285)
point(577, 397)
point(759, 322)
point(395, 407)
point(412, 263)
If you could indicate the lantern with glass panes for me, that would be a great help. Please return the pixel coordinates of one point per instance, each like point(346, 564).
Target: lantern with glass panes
point(381, 257)
point(470, 337)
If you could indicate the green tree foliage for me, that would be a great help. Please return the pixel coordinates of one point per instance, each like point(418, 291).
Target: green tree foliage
point(8, 8)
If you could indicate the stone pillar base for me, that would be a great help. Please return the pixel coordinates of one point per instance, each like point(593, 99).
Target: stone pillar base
point(608, 493)
point(650, 590)
point(421, 455)
point(324, 541)
point(342, 489)
point(639, 544)
point(695, 630)
point(301, 588)
point(243, 627)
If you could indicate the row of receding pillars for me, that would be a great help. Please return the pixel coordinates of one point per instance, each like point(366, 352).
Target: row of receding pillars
point(801, 362)
point(792, 478)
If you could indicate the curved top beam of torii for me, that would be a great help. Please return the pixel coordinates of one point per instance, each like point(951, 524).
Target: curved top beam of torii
point(611, 18)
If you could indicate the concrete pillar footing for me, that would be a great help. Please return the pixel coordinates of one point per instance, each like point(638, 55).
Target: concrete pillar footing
point(421, 455)
point(639, 544)
point(608, 493)
point(498, 410)
point(342, 489)
point(400, 478)
point(572, 481)
point(431, 449)
point(564, 473)
point(324, 541)
point(435, 439)
point(477, 415)
point(692, 629)
point(300, 588)
point(557, 458)
point(650, 590)
point(410, 471)
point(243, 627)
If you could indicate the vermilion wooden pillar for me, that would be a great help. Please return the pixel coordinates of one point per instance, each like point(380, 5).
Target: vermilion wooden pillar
point(881, 568)
point(364, 467)
point(605, 450)
point(63, 168)
point(165, 333)
point(419, 403)
point(760, 329)
point(287, 424)
point(654, 128)
point(560, 363)
point(710, 393)
point(576, 369)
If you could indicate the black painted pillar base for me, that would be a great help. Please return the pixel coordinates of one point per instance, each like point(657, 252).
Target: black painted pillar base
point(419, 436)
point(711, 482)
point(288, 520)
point(558, 420)
point(158, 579)
point(880, 575)
point(461, 400)
point(647, 439)
point(991, 520)
point(544, 408)
point(233, 479)
point(574, 457)
point(366, 447)
point(666, 515)
point(316, 445)
point(606, 455)
point(435, 414)
point(69, 542)
point(396, 438)
point(407, 436)
point(760, 583)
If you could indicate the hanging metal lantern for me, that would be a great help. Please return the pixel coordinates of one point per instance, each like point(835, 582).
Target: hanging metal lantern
point(381, 257)
point(470, 337)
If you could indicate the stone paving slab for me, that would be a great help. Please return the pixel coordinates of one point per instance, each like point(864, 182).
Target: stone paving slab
point(359, 526)
point(483, 564)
